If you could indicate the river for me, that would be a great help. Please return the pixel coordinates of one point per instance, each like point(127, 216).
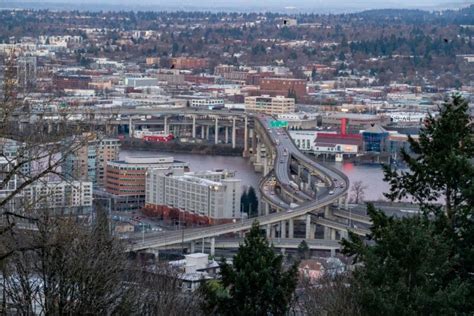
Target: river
point(370, 175)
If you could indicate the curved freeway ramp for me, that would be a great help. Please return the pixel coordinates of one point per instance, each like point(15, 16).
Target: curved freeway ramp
point(281, 141)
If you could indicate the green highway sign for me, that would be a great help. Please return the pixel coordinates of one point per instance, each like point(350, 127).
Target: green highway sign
point(278, 124)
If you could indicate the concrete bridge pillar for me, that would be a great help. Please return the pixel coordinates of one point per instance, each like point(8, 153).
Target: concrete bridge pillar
point(265, 166)
point(207, 132)
point(274, 231)
point(308, 227)
point(202, 132)
point(233, 132)
point(269, 230)
point(254, 141)
point(192, 247)
point(194, 126)
point(291, 228)
point(130, 127)
point(313, 231)
point(300, 170)
point(283, 229)
point(246, 137)
point(327, 233)
point(333, 234)
point(267, 208)
point(340, 202)
point(166, 127)
point(226, 135)
point(213, 246)
point(258, 158)
point(327, 212)
point(216, 132)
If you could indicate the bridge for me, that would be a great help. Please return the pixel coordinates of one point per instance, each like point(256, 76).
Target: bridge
point(275, 153)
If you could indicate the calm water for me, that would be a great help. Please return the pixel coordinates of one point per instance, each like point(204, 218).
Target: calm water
point(242, 167)
point(370, 175)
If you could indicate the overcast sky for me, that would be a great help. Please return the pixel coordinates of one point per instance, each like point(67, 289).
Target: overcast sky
point(273, 5)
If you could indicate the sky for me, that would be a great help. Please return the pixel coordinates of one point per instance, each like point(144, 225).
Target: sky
point(249, 5)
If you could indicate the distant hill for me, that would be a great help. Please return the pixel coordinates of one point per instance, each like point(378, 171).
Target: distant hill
point(284, 6)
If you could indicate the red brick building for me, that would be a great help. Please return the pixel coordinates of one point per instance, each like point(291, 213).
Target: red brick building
point(189, 62)
point(282, 86)
point(199, 79)
point(71, 82)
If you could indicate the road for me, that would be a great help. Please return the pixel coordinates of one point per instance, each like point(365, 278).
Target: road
point(281, 140)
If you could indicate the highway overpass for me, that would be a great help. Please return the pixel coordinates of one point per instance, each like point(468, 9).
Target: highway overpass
point(281, 149)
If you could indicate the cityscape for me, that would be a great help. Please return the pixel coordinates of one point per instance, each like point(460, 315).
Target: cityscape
point(236, 158)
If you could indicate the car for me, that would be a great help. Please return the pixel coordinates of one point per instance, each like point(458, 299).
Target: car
point(289, 211)
point(331, 192)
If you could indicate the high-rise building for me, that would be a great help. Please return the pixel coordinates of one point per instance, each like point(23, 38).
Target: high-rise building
point(10, 186)
point(81, 164)
point(26, 73)
point(107, 149)
point(89, 162)
point(270, 105)
point(125, 179)
point(213, 195)
point(62, 197)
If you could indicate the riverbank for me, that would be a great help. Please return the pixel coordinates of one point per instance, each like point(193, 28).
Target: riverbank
point(183, 148)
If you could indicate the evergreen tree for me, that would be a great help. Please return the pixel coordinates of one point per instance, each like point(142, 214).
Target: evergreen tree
point(256, 283)
point(303, 250)
point(314, 74)
point(252, 202)
point(292, 94)
point(244, 202)
point(424, 264)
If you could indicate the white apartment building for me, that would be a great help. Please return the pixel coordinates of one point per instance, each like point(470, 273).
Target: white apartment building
point(305, 140)
point(270, 105)
point(211, 194)
point(206, 103)
point(140, 82)
point(407, 117)
point(67, 197)
point(9, 187)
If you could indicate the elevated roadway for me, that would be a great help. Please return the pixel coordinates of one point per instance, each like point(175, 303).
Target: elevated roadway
point(287, 243)
point(352, 216)
point(284, 148)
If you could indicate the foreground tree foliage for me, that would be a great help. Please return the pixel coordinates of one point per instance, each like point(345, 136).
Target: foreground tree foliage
point(331, 296)
point(424, 264)
point(256, 283)
point(74, 270)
